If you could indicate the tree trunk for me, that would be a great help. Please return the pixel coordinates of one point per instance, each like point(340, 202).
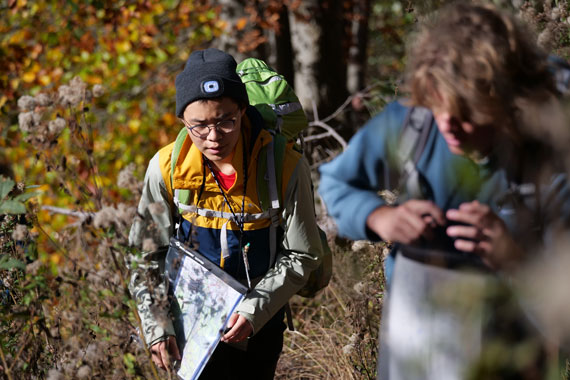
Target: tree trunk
point(239, 38)
point(284, 56)
point(317, 36)
point(356, 68)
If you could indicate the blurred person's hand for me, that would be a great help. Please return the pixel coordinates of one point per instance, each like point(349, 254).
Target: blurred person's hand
point(240, 329)
point(406, 223)
point(162, 352)
point(484, 234)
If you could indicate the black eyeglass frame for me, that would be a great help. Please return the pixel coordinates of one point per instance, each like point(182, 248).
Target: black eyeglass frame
point(218, 126)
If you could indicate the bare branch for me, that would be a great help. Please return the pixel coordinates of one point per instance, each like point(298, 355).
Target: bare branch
point(330, 132)
point(347, 102)
point(82, 215)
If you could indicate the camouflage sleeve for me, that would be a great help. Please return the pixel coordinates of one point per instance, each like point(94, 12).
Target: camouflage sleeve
point(301, 255)
point(149, 236)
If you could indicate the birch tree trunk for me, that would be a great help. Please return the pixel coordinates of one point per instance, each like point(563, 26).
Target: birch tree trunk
point(320, 62)
point(356, 68)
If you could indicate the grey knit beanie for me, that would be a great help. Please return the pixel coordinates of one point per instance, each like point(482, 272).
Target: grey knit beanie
point(209, 73)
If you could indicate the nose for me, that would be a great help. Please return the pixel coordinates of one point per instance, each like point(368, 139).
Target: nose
point(446, 122)
point(214, 134)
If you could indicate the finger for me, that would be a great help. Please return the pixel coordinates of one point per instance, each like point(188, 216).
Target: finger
point(462, 216)
point(164, 355)
point(412, 224)
point(241, 330)
point(173, 348)
point(421, 207)
point(407, 231)
point(232, 320)
point(417, 227)
point(485, 247)
point(156, 356)
point(230, 335)
point(429, 220)
point(474, 206)
point(465, 245)
point(469, 232)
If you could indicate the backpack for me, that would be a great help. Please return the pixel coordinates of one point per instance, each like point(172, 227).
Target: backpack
point(283, 116)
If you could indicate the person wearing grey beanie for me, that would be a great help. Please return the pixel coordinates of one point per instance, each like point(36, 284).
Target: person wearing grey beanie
point(214, 162)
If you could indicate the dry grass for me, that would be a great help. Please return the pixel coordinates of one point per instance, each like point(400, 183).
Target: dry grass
point(336, 333)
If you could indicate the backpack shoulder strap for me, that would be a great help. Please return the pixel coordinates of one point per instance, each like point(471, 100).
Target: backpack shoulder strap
point(178, 196)
point(269, 180)
point(270, 172)
point(413, 139)
point(176, 151)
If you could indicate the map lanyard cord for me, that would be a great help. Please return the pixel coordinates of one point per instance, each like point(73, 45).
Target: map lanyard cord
point(239, 221)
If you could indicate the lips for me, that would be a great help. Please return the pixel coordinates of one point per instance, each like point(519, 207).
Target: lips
point(215, 150)
point(452, 141)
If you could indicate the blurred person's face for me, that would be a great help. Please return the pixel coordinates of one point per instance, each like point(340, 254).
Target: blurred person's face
point(463, 137)
point(214, 126)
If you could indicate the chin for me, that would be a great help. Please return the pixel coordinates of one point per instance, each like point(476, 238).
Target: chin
point(457, 150)
point(216, 157)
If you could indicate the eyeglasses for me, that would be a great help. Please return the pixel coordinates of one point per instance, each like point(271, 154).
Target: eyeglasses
point(203, 130)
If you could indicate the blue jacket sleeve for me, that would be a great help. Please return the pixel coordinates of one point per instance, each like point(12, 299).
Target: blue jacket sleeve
point(350, 183)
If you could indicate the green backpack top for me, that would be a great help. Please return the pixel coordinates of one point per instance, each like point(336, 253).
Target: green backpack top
point(272, 96)
point(282, 113)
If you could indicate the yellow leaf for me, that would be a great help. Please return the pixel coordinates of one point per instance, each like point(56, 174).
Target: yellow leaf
point(134, 125)
point(93, 79)
point(123, 46)
point(146, 39)
point(45, 80)
point(3, 100)
point(29, 77)
point(169, 118)
point(54, 55)
point(18, 37)
point(134, 35)
point(241, 23)
point(55, 258)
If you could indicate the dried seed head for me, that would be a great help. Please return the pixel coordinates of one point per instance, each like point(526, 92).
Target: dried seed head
point(20, 232)
point(84, 372)
point(126, 213)
point(43, 100)
point(34, 267)
point(28, 121)
point(56, 126)
point(149, 245)
point(54, 374)
point(105, 217)
point(98, 90)
point(27, 102)
point(72, 94)
point(127, 180)
point(348, 349)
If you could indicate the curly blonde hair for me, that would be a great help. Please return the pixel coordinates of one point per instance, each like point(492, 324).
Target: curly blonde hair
point(479, 61)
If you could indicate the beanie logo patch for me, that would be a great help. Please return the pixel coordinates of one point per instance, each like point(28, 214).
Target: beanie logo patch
point(211, 86)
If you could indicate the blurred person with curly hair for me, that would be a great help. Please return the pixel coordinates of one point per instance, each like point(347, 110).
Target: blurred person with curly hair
point(481, 190)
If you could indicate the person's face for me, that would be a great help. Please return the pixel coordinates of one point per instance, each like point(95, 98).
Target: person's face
point(463, 137)
point(223, 117)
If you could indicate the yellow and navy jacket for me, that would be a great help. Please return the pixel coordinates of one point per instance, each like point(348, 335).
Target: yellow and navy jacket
point(207, 223)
